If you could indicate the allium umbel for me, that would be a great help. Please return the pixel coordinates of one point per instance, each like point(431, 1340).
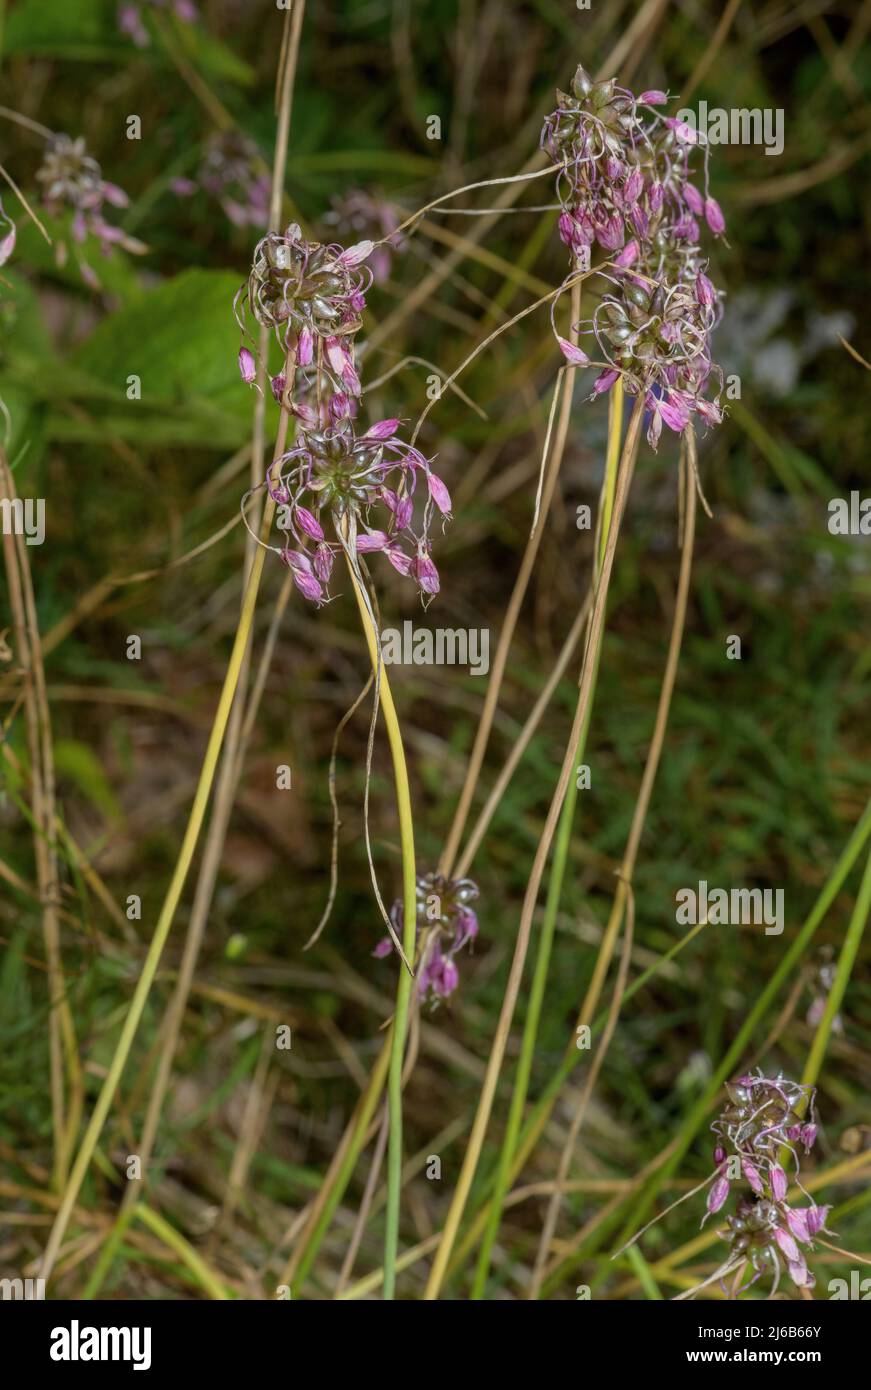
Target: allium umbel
point(72, 180)
point(625, 184)
point(765, 1119)
point(340, 487)
point(312, 296)
point(446, 923)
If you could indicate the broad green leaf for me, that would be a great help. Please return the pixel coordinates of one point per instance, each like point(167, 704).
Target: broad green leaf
point(182, 342)
point(80, 765)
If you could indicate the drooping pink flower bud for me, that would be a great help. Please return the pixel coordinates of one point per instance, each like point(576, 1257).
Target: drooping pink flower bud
point(384, 947)
point(633, 186)
point(639, 219)
point(278, 384)
point(605, 381)
point(816, 1219)
point(675, 412)
point(247, 365)
point(693, 199)
point(339, 406)
point(7, 245)
point(779, 1182)
point(808, 1136)
point(370, 541)
point(629, 254)
point(684, 133)
point(717, 1195)
point(439, 493)
point(355, 255)
point(705, 292)
point(382, 429)
point(448, 979)
point(573, 354)
point(308, 523)
point(787, 1244)
point(656, 196)
point(747, 1168)
point(305, 347)
point(303, 576)
point(610, 233)
point(800, 1274)
point(714, 216)
point(654, 97)
point(401, 562)
point(796, 1219)
point(613, 167)
point(425, 573)
point(323, 563)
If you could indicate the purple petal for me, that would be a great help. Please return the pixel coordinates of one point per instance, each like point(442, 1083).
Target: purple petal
point(628, 255)
point(714, 216)
point(308, 523)
point(747, 1169)
point(305, 347)
point(653, 98)
point(383, 429)
point(323, 563)
point(605, 381)
point(439, 494)
point(787, 1244)
point(796, 1219)
point(426, 574)
point(384, 947)
point(356, 254)
point(399, 560)
point(693, 199)
point(370, 541)
point(779, 1183)
point(7, 246)
point(573, 354)
point(717, 1195)
point(247, 365)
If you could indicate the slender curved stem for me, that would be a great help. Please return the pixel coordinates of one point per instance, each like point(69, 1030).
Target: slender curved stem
point(409, 932)
point(500, 1042)
point(560, 859)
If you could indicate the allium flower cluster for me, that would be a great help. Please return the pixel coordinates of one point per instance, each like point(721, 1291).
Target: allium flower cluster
point(71, 179)
point(233, 173)
point(360, 484)
point(625, 184)
point(445, 924)
point(764, 1118)
point(131, 23)
point(312, 296)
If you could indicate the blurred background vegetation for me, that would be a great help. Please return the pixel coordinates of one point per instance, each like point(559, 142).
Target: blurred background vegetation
point(766, 765)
